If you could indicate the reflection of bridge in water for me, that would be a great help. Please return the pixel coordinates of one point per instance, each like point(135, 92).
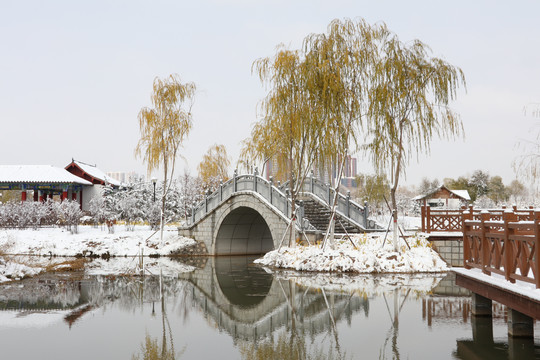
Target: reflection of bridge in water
point(249, 303)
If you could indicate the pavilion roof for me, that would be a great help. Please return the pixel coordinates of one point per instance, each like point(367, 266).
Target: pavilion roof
point(96, 173)
point(38, 174)
point(462, 194)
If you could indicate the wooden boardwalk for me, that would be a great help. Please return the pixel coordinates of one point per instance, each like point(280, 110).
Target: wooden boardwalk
point(500, 259)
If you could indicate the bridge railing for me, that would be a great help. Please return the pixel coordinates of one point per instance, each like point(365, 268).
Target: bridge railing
point(255, 183)
point(452, 220)
point(278, 196)
point(509, 246)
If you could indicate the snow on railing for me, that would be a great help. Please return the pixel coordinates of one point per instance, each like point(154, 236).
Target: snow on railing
point(505, 246)
point(452, 219)
point(278, 196)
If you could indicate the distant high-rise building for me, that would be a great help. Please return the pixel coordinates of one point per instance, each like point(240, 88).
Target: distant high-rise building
point(124, 177)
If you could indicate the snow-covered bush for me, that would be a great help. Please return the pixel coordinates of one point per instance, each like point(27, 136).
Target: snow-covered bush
point(34, 214)
point(69, 214)
point(484, 202)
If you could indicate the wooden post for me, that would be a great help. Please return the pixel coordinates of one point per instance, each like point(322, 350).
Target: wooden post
point(466, 240)
point(423, 217)
point(536, 269)
point(508, 261)
point(484, 258)
point(428, 218)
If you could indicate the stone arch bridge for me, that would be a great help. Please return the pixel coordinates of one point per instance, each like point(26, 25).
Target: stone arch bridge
point(250, 215)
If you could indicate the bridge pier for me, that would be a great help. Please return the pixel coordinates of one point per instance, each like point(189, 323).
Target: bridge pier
point(520, 325)
point(522, 309)
point(481, 306)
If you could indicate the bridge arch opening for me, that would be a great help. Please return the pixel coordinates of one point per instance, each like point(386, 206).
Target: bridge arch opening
point(244, 285)
point(243, 232)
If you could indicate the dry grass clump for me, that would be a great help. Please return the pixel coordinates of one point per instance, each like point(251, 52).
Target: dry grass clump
point(67, 266)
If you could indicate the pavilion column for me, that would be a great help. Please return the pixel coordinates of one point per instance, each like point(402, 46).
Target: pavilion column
point(40, 195)
point(50, 195)
point(73, 195)
point(23, 193)
point(36, 198)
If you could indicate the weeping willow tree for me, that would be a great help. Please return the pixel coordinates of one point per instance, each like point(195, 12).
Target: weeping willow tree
point(410, 93)
point(164, 127)
point(291, 125)
point(527, 164)
point(317, 97)
point(213, 167)
point(342, 61)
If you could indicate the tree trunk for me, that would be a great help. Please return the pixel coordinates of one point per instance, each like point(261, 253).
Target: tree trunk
point(163, 200)
point(394, 189)
point(292, 241)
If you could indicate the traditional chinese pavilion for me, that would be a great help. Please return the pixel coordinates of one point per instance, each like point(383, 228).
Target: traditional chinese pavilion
point(78, 181)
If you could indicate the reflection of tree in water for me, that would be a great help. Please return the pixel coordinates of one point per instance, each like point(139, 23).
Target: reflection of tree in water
point(305, 305)
point(286, 348)
point(393, 332)
point(150, 349)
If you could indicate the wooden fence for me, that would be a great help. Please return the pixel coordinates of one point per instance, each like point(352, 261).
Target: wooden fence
point(505, 244)
point(452, 220)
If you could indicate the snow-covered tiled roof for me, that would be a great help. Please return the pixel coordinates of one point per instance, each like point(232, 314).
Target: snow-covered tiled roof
point(463, 194)
point(96, 173)
point(38, 174)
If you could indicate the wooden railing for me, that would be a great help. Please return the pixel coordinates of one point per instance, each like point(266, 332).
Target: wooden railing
point(452, 220)
point(505, 245)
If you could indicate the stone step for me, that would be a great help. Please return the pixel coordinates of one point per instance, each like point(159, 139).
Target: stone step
point(319, 216)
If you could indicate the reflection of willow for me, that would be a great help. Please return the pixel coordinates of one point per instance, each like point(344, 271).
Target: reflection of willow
point(150, 349)
point(294, 346)
point(394, 328)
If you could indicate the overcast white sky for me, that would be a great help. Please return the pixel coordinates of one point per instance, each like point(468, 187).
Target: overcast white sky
point(74, 75)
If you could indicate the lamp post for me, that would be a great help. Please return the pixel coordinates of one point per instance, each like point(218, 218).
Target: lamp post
point(154, 181)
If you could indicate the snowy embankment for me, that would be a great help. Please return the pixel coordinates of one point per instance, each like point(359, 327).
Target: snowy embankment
point(89, 241)
point(369, 256)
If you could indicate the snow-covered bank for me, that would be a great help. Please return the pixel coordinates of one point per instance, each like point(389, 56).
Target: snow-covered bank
point(12, 270)
point(370, 256)
point(88, 241)
point(91, 240)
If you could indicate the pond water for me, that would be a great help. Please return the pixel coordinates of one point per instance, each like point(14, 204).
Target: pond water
point(229, 308)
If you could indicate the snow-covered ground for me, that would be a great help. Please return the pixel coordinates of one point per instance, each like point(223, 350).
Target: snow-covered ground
point(127, 246)
point(91, 240)
point(88, 241)
point(369, 256)
point(406, 222)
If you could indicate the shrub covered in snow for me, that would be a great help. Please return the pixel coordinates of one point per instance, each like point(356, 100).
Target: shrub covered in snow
point(135, 203)
point(27, 214)
point(370, 254)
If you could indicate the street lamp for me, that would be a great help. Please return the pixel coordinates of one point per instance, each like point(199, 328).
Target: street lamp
point(154, 181)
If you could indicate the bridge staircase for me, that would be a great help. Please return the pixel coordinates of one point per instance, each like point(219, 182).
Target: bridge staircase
point(318, 216)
